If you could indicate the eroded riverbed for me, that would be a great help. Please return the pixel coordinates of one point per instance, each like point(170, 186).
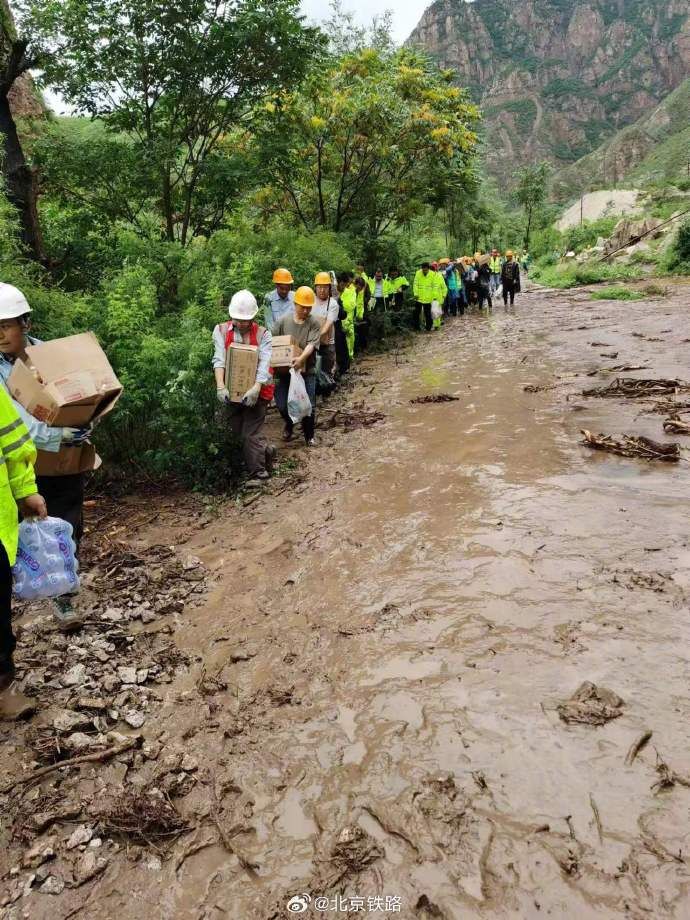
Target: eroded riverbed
point(374, 672)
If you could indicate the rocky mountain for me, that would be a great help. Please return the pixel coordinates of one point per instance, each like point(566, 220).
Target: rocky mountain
point(653, 150)
point(557, 78)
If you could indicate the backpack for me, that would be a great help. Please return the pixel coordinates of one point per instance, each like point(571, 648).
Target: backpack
point(510, 272)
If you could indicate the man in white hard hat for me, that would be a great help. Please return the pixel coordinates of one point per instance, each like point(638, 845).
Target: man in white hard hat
point(246, 418)
point(64, 495)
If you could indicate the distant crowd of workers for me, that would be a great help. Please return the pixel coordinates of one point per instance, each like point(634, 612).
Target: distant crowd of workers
point(328, 323)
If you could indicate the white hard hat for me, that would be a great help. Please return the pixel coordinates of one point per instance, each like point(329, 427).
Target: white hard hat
point(243, 305)
point(12, 302)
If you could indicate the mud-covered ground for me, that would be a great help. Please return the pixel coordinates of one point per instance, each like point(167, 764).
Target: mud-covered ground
point(345, 691)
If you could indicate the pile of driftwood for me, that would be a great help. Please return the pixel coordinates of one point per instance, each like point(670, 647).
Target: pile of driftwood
point(351, 419)
point(437, 398)
point(634, 388)
point(632, 446)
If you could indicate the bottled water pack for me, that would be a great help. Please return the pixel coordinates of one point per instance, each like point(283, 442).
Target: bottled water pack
point(46, 560)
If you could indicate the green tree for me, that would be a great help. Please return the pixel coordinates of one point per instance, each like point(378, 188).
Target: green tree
point(365, 142)
point(174, 80)
point(531, 192)
point(17, 55)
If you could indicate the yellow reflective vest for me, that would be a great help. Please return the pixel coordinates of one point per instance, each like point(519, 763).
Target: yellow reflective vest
point(495, 265)
point(17, 479)
point(424, 286)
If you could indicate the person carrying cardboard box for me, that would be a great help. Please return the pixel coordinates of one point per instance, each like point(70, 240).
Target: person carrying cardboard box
point(306, 332)
point(64, 494)
point(246, 417)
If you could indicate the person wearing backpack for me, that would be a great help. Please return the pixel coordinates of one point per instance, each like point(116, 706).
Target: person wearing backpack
point(510, 278)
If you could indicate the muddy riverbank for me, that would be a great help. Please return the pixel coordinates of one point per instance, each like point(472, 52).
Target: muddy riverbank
point(352, 681)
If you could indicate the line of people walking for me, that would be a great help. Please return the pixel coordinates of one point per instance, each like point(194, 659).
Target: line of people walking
point(328, 323)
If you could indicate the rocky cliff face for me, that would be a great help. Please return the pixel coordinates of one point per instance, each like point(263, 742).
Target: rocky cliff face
point(556, 78)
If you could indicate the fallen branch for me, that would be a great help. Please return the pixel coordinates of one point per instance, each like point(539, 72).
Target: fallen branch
point(634, 388)
point(96, 757)
point(636, 747)
point(597, 818)
point(632, 446)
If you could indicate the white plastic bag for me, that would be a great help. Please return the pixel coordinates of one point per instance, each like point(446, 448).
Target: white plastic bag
point(436, 310)
point(298, 402)
point(46, 562)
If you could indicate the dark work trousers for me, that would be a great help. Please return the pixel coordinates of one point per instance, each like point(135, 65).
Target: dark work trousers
point(7, 640)
point(398, 299)
point(462, 301)
point(484, 295)
point(64, 497)
point(327, 353)
point(509, 291)
point(281, 398)
point(246, 423)
point(428, 320)
point(362, 327)
point(453, 303)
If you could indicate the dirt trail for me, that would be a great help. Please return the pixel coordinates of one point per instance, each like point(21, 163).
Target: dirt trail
point(374, 672)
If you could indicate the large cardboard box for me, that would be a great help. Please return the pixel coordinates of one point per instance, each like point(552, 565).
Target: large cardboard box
point(67, 460)
point(284, 351)
point(67, 381)
point(240, 370)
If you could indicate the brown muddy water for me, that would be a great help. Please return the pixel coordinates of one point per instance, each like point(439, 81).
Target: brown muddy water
point(390, 638)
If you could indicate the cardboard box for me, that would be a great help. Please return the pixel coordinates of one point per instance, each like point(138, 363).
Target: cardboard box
point(240, 370)
point(284, 351)
point(67, 461)
point(67, 381)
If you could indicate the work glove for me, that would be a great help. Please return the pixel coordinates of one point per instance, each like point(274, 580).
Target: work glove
point(222, 395)
point(251, 396)
point(75, 436)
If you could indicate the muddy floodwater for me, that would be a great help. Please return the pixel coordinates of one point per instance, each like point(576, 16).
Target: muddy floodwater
point(373, 674)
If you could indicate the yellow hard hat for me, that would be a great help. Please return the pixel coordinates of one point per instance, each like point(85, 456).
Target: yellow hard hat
point(305, 297)
point(477, 255)
point(509, 253)
point(282, 276)
point(322, 278)
point(444, 261)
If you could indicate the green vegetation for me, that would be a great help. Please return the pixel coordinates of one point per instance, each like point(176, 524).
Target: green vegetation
point(616, 293)
point(567, 275)
point(565, 86)
point(200, 160)
point(525, 111)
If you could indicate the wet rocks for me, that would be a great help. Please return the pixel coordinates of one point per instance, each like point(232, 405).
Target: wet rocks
point(591, 705)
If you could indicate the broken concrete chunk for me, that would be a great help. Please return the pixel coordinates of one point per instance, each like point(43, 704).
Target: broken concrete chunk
point(74, 677)
point(52, 885)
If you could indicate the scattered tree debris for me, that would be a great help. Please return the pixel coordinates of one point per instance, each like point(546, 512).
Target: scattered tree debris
point(637, 746)
point(591, 705)
point(632, 446)
point(350, 419)
point(434, 398)
point(676, 425)
point(143, 817)
point(667, 776)
point(97, 756)
point(634, 388)
point(538, 388)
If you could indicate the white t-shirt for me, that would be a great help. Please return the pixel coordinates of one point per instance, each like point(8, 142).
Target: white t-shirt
point(378, 288)
point(324, 310)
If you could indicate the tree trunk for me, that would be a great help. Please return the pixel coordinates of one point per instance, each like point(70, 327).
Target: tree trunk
point(20, 182)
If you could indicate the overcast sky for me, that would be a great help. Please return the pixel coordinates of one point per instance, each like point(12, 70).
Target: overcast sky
point(406, 14)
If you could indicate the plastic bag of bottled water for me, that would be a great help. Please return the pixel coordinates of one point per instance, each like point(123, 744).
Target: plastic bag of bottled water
point(46, 562)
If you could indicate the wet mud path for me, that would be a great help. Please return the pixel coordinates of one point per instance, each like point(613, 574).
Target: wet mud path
point(375, 671)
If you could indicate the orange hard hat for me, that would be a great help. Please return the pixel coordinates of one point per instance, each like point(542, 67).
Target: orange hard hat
point(305, 297)
point(282, 276)
point(509, 253)
point(322, 278)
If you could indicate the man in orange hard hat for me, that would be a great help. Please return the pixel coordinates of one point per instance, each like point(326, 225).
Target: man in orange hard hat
point(306, 332)
point(281, 299)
